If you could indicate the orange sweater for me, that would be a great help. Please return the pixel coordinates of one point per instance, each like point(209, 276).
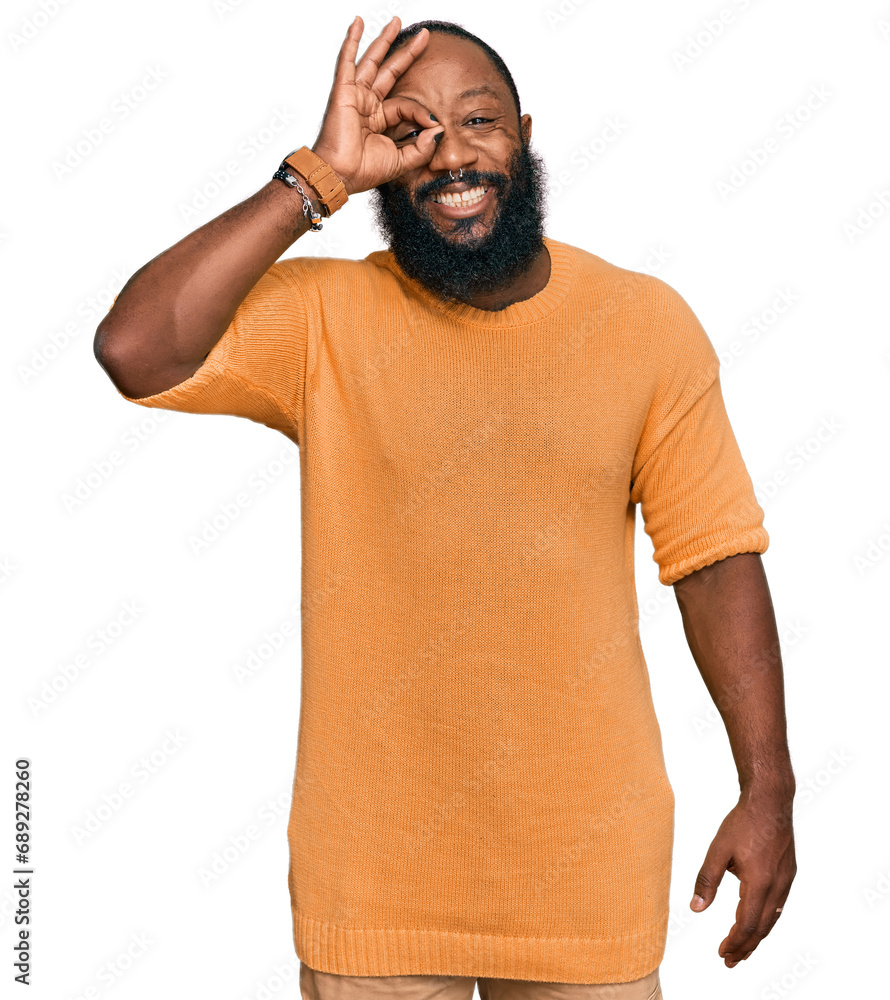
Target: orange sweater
point(480, 788)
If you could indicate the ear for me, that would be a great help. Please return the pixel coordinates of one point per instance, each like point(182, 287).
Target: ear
point(525, 127)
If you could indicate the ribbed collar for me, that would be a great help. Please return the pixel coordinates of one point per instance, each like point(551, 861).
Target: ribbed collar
point(562, 271)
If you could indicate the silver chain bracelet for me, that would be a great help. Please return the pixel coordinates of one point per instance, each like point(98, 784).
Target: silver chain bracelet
point(283, 175)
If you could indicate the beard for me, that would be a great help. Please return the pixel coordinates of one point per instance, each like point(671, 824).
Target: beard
point(459, 266)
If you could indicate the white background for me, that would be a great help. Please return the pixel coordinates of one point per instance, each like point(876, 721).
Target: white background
point(810, 222)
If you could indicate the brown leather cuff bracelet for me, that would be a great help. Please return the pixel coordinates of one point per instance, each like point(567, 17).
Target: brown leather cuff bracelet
point(330, 189)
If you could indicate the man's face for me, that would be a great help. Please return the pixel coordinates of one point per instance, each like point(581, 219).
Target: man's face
point(459, 251)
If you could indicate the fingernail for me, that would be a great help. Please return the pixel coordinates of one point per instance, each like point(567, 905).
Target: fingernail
point(434, 118)
point(697, 902)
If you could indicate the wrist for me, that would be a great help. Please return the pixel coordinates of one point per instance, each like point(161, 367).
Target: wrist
point(326, 185)
point(310, 191)
point(324, 156)
point(774, 783)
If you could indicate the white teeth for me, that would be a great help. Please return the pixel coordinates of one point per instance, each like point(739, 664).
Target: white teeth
point(469, 197)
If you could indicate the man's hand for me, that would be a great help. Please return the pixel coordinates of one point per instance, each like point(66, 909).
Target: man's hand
point(756, 843)
point(357, 113)
point(731, 628)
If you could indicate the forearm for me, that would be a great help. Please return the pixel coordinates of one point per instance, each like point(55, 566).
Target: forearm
point(174, 309)
point(731, 629)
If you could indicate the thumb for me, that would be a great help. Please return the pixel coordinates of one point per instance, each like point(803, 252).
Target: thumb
point(708, 879)
point(421, 151)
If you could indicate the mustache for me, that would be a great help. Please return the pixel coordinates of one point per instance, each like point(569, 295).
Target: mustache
point(473, 178)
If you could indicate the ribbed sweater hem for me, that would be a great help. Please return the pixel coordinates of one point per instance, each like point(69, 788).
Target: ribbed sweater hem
point(372, 951)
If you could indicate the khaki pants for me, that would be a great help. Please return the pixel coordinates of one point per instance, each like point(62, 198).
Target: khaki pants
point(329, 986)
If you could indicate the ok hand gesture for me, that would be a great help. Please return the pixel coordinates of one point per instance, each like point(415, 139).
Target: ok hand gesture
point(358, 112)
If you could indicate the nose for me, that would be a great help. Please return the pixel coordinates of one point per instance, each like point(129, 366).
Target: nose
point(453, 153)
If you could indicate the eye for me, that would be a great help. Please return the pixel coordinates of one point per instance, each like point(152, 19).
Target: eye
point(417, 131)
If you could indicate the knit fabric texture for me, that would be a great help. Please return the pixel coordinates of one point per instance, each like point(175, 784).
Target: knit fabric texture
point(480, 787)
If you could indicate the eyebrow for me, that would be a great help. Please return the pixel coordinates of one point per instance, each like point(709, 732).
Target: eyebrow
point(478, 92)
point(472, 92)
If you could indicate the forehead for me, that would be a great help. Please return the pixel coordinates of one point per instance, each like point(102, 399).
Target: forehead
point(451, 69)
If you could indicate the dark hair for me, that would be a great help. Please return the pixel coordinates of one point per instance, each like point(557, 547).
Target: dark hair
point(450, 28)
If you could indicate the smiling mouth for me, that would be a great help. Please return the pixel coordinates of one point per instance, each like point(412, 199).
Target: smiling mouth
point(462, 199)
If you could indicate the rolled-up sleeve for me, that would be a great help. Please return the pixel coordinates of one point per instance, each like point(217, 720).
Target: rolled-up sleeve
point(696, 496)
point(257, 368)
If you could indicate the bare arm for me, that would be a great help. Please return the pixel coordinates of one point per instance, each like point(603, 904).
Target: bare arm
point(173, 310)
point(731, 629)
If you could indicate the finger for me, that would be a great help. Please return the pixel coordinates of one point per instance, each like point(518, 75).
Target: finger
point(404, 109)
point(709, 877)
point(369, 63)
point(345, 69)
point(397, 63)
point(414, 155)
point(769, 917)
point(745, 934)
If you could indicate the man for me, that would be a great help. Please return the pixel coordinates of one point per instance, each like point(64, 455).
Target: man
point(480, 793)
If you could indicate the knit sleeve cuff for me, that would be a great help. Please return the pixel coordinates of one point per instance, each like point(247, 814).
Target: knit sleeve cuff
point(755, 540)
